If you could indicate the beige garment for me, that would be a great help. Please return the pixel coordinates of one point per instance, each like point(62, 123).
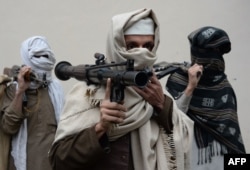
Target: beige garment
point(4, 138)
point(4, 150)
point(41, 126)
point(152, 148)
point(81, 112)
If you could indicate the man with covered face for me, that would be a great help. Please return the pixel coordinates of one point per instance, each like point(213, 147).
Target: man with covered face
point(30, 108)
point(145, 131)
point(208, 98)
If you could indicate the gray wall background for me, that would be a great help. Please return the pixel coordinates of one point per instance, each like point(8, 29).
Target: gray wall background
point(77, 29)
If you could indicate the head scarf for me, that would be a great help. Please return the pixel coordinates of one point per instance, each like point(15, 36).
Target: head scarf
point(207, 45)
point(36, 53)
point(32, 51)
point(210, 38)
point(213, 106)
point(116, 47)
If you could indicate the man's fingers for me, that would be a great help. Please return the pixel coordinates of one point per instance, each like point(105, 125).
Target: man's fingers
point(154, 79)
point(112, 119)
point(108, 87)
point(112, 116)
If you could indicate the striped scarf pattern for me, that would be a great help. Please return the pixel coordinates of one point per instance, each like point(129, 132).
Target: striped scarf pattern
point(214, 111)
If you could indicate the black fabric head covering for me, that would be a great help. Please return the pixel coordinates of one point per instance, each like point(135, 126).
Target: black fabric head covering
point(210, 38)
point(208, 44)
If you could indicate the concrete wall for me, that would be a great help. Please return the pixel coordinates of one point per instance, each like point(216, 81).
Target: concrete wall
point(77, 29)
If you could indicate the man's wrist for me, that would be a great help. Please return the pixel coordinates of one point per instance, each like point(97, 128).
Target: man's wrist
point(19, 92)
point(189, 91)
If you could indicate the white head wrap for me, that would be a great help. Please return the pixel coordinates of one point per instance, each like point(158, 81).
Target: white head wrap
point(133, 22)
point(37, 46)
point(144, 26)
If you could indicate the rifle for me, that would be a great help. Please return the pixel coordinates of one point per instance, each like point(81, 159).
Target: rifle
point(101, 71)
point(12, 73)
point(165, 68)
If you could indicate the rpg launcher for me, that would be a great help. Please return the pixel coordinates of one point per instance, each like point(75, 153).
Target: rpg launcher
point(101, 71)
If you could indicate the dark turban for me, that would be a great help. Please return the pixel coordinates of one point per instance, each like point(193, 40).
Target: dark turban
point(209, 38)
point(208, 44)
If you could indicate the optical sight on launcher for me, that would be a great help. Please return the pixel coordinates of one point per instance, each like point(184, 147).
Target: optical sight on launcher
point(101, 71)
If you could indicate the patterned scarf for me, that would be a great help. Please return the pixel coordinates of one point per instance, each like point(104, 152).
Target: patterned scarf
point(213, 106)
